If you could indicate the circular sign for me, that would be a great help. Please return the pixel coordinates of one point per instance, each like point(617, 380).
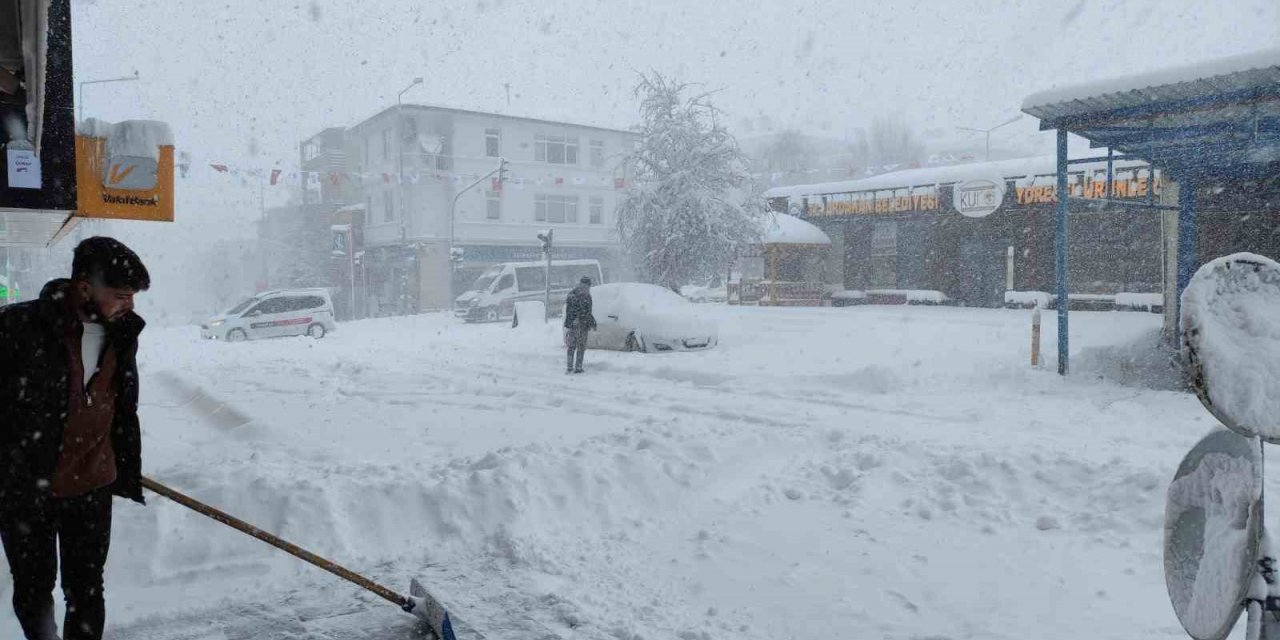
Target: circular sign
point(1231, 340)
point(1212, 526)
point(978, 198)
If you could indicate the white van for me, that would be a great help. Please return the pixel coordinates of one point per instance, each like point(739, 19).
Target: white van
point(274, 314)
point(496, 291)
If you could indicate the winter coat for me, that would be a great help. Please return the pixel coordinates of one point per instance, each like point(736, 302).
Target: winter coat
point(35, 370)
point(577, 309)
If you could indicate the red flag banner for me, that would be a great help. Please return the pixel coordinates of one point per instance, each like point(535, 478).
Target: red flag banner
point(275, 176)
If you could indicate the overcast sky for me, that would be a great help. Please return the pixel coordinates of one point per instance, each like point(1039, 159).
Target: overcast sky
point(243, 77)
point(243, 81)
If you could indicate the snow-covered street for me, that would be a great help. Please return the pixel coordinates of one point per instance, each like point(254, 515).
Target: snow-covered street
point(888, 472)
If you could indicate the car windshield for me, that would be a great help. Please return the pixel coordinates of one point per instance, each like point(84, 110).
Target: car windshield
point(900, 318)
point(241, 307)
point(482, 283)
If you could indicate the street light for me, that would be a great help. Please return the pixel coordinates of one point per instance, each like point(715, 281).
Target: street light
point(501, 172)
point(988, 131)
point(400, 154)
point(80, 101)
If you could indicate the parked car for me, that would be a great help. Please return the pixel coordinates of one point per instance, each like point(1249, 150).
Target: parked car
point(642, 317)
point(274, 314)
point(496, 291)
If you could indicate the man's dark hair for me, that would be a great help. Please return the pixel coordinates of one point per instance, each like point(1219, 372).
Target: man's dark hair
point(103, 261)
point(585, 280)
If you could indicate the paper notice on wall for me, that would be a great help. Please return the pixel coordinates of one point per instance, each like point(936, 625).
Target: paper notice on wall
point(23, 168)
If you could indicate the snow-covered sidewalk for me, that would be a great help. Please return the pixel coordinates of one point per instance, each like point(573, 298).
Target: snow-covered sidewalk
point(823, 473)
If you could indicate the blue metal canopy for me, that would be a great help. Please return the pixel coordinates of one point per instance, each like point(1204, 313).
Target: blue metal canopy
point(1213, 121)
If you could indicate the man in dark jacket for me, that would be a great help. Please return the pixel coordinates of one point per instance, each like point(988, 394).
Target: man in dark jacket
point(69, 435)
point(577, 322)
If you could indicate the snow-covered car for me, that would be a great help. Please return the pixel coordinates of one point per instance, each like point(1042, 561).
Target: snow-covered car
point(642, 317)
point(274, 314)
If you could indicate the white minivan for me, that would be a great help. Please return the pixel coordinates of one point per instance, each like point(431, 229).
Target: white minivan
point(495, 293)
point(274, 314)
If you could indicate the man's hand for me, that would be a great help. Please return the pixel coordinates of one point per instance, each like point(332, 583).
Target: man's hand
point(9, 82)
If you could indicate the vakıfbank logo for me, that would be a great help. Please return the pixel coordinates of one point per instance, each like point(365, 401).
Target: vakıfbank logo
point(130, 173)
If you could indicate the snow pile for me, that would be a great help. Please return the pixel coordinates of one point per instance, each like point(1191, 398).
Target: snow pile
point(1029, 299)
point(1219, 496)
point(1143, 301)
point(130, 138)
point(1146, 362)
point(1231, 326)
point(781, 228)
point(933, 476)
point(916, 296)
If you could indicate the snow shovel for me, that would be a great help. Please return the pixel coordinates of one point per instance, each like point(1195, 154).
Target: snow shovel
point(418, 602)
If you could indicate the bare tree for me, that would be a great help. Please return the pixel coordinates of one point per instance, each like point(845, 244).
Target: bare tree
point(889, 141)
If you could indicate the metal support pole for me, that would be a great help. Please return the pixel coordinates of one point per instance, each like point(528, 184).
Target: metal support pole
point(351, 266)
point(453, 205)
point(1060, 255)
point(1188, 258)
point(546, 299)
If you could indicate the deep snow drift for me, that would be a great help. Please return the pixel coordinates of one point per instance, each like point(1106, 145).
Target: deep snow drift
point(886, 472)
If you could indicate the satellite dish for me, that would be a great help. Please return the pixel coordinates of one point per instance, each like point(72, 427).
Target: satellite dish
point(1231, 340)
point(1212, 527)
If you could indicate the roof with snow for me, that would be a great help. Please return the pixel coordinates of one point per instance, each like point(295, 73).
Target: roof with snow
point(1219, 118)
point(787, 229)
point(951, 174)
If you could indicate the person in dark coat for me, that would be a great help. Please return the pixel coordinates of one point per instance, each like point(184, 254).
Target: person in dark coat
point(577, 322)
point(69, 434)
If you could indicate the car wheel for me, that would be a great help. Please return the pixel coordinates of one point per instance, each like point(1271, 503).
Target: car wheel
point(237, 335)
point(316, 331)
point(491, 314)
point(634, 343)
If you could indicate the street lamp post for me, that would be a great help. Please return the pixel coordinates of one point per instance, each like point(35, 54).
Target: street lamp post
point(501, 172)
point(399, 130)
point(80, 100)
point(400, 155)
point(987, 132)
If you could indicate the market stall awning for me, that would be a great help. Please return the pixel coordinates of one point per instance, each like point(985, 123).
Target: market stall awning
point(1217, 119)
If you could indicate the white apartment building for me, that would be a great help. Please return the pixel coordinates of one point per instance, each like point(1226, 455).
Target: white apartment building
point(562, 176)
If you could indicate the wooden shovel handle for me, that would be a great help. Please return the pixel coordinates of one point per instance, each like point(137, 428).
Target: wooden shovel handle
point(292, 549)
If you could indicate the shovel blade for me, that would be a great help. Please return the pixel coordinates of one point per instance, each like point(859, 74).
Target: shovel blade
point(434, 613)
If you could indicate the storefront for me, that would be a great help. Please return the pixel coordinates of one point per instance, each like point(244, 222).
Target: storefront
point(975, 232)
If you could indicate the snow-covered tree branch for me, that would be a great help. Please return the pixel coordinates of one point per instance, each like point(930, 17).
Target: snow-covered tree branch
point(689, 205)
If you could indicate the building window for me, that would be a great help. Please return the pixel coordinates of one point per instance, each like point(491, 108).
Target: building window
point(555, 149)
point(493, 205)
point(559, 209)
point(386, 143)
point(597, 210)
point(310, 150)
point(597, 153)
point(388, 208)
point(492, 142)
